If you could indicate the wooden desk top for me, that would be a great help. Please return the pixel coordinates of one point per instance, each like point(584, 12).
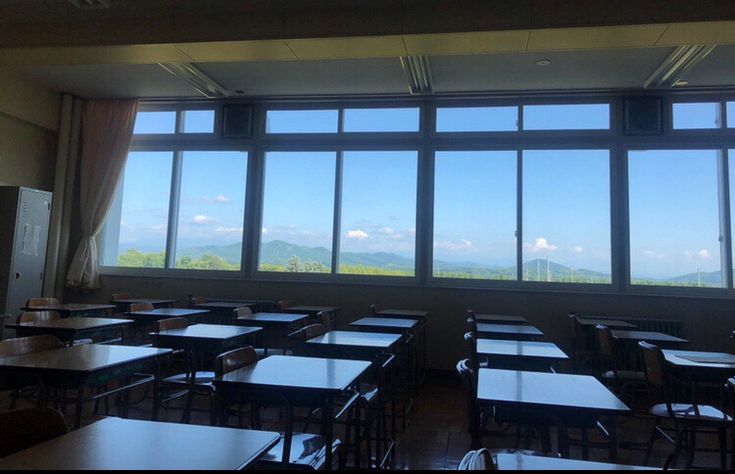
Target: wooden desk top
point(501, 318)
point(406, 313)
point(648, 336)
point(162, 313)
point(509, 329)
point(226, 304)
point(207, 332)
point(82, 358)
point(547, 390)
point(273, 318)
point(541, 350)
point(71, 307)
point(397, 323)
point(696, 360)
point(301, 373)
point(153, 301)
point(73, 324)
point(311, 309)
point(611, 323)
point(521, 462)
point(114, 443)
point(376, 340)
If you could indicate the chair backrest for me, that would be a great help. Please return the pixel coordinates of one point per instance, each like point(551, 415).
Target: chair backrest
point(34, 316)
point(29, 345)
point(467, 375)
point(172, 323)
point(234, 359)
point(283, 305)
point(22, 429)
point(39, 302)
point(120, 296)
point(604, 341)
point(374, 309)
point(195, 300)
point(135, 307)
point(308, 332)
point(477, 460)
point(654, 365)
point(732, 338)
point(325, 319)
point(472, 326)
point(471, 347)
point(243, 312)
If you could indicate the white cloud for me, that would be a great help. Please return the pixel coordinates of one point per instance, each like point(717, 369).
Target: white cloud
point(357, 234)
point(387, 231)
point(702, 254)
point(541, 244)
point(201, 219)
point(578, 249)
point(652, 254)
point(228, 230)
point(221, 199)
point(461, 244)
point(264, 230)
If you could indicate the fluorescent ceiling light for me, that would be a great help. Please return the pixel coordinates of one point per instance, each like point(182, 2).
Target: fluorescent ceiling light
point(203, 84)
point(418, 73)
point(678, 63)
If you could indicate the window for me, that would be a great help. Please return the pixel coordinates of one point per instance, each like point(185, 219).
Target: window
point(197, 121)
point(381, 120)
point(566, 216)
point(378, 232)
point(477, 119)
point(566, 117)
point(155, 122)
point(674, 218)
point(731, 114)
point(697, 115)
point(211, 210)
point(298, 211)
point(301, 121)
point(475, 215)
point(137, 223)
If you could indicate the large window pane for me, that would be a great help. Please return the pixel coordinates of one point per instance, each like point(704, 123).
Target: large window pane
point(674, 218)
point(155, 122)
point(198, 121)
point(475, 215)
point(211, 210)
point(298, 211)
point(731, 114)
point(566, 216)
point(136, 228)
point(566, 117)
point(477, 119)
point(378, 234)
point(697, 115)
point(382, 120)
point(301, 121)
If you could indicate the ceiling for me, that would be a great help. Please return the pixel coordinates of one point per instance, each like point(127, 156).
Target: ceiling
point(620, 68)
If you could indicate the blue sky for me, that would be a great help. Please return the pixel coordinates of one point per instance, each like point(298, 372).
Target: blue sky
point(674, 223)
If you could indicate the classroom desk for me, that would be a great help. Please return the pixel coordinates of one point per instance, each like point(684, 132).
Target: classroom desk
point(154, 315)
point(695, 367)
point(419, 314)
point(294, 381)
point(68, 329)
point(387, 325)
point(85, 365)
point(591, 322)
point(500, 319)
point(652, 337)
point(520, 355)
point(124, 303)
point(114, 443)
point(565, 398)
point(313, 310)
point(74, 309)
point(509, 332)
point(523, 462)
point(276, 324)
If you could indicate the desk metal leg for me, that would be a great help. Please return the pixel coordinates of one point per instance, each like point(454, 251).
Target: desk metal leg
point(328, 429)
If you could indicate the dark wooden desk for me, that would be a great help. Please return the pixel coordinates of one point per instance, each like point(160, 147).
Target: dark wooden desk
point(561, 397)
point(352, 344)
point(85, 365)
point(154, 315)
point(695, 367)
point(509, 332)
point(611, 323)
point(275, 325)
point(657, 338)
point(500, 319)
point(205, 337)
point(114, 443)
point(294, 381)
point(520, 355)
point(68, 329)
point(387, 325)
point(403, 313)
point(73, 309)
point(123, 304)
point(522, 462)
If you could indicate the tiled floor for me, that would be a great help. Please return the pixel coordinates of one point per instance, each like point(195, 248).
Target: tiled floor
point(436, 436)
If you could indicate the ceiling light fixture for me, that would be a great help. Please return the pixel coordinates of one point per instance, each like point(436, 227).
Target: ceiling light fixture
point(418, 73)
point(203, 84)
point(678, 63)
point(543, 62)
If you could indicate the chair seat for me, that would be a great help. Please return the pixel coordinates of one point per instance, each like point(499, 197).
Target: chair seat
point(687, 412)
point(202, 378)
point(307, 452)
point(625, 376)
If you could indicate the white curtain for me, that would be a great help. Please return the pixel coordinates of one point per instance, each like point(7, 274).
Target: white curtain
point(107, 128)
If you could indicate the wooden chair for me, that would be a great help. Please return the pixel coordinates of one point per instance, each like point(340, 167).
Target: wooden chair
point(34, 316)
point(471, 347)
point(325, 319)
point(233, 360)
point(621, 381)
point(195, 300)
point(120, 296)
point(476, 418)
point(687, 419)
point(477, 460)
point(299, 337)
point(243, 313)
point(172, 323)
point(283, 305)
point(21, 385)
point(41, 302)
point(136, 307)
point(581, 354)
point(22, 429)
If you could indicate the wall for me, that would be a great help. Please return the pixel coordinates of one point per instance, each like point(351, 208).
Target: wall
point(707, 321)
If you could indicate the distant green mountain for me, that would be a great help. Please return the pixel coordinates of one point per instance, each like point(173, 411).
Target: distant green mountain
point(536, 270)
point(704, 279)
point(229, 253)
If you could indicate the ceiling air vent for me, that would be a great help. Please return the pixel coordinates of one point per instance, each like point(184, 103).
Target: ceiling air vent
point(90, 4)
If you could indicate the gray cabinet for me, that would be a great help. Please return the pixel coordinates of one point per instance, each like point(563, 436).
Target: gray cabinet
point(24, 219)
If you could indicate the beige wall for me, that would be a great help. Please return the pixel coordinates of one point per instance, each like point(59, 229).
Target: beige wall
point(707, 321)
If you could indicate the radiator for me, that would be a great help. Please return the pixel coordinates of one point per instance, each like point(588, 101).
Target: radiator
point(666, 326)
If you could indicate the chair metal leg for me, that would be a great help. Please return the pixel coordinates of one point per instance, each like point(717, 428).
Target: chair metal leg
point(680, 434)
point(651, 442)
point(722, 435)
point(692, 447)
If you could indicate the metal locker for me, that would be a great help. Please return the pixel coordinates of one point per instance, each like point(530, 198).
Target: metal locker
point(24, 220)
